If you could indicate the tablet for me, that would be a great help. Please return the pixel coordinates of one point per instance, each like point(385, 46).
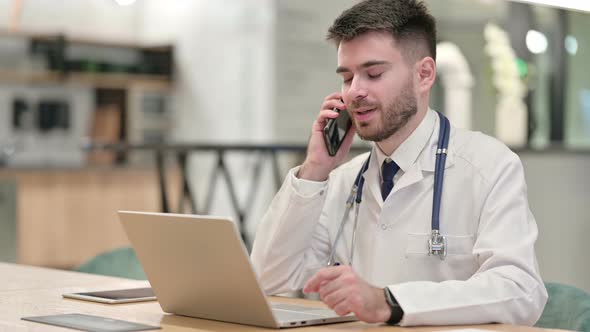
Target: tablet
point(91, 323)
point(116, 296)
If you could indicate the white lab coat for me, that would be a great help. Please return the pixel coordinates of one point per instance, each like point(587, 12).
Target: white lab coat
point(490, 273)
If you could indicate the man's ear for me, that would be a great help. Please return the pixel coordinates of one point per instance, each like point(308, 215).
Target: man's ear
point(425, 74)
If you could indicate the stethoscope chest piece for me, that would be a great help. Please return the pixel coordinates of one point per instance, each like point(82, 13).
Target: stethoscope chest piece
point(437, 245)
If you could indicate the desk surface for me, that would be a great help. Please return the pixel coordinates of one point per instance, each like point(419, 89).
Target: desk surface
point(33, 291)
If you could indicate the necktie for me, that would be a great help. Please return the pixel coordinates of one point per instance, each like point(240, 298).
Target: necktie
point(388, 170)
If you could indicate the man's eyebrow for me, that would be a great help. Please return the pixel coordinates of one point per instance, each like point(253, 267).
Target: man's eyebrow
point(364, 65)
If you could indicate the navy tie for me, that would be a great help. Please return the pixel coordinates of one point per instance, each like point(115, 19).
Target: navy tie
point(388, 170)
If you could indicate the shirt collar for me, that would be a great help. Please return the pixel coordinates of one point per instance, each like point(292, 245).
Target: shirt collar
point(407, 153)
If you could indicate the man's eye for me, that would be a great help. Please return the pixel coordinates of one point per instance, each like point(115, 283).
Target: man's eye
point(347, 80)
point(375, 76)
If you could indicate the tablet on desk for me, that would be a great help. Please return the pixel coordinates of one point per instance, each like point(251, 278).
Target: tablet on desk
point(116, 296)
point(91, 323)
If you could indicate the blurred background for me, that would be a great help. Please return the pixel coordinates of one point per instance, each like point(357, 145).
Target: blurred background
point(202, 106)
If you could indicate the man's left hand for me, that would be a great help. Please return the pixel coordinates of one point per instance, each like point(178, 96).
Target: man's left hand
point(343, 291)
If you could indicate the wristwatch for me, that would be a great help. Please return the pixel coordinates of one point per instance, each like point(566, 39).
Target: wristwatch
point(396, 310)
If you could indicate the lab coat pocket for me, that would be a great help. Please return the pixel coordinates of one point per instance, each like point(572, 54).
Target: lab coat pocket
point(459, 264)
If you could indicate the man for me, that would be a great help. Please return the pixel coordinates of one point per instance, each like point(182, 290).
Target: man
point(386, 59)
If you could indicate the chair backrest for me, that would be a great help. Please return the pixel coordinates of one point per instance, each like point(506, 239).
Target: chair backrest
point(567, 308)
point(120, 262)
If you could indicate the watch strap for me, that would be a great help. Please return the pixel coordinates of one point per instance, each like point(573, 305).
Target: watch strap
point(396, 310)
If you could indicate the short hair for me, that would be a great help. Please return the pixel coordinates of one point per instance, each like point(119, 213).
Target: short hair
point(409, 22)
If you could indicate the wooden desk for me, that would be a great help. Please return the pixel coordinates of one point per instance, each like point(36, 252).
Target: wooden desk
point(33, 291)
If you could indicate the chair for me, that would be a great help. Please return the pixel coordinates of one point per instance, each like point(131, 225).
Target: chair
point(567, 308)
point(120, 262)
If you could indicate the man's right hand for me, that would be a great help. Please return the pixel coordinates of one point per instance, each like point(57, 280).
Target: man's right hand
point(318, 163)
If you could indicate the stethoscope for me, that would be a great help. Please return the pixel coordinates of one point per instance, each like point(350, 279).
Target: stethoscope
point(437, 244)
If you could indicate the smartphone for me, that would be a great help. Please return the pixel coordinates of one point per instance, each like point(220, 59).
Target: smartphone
point(335, 131)
point(116, 296)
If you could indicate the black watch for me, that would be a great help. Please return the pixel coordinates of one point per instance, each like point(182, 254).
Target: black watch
point(396, 311)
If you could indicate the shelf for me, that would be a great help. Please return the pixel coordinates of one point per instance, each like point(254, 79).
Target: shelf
point(115, 80)
point(157, 75)
point(99, 80)
point(45, 36)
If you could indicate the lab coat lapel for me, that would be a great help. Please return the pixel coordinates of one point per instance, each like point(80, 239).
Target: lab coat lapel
point(412, 176)
point(416, 173)
point(425, 163)
point(372, 180)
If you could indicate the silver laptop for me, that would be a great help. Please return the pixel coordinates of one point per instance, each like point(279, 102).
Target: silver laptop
point(199, 267)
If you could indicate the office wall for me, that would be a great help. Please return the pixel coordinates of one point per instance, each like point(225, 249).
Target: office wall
point(224, 65)
point(305, 64)
point(224, 93)
point(93, 18)
point(558, 189)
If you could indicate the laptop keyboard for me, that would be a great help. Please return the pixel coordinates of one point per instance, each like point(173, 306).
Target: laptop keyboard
point(291, 312)
point(294, 307)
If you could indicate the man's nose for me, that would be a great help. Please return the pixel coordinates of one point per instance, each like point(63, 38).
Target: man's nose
point(357, 90)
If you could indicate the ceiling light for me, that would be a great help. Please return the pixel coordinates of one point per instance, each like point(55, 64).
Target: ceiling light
point(571, 45)
point(125, 2)
point(536, 42)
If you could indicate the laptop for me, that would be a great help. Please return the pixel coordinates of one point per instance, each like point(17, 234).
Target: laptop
point(198, 267)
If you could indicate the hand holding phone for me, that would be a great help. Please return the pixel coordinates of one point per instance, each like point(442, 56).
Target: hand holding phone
point(329, 134)
point(335, 131)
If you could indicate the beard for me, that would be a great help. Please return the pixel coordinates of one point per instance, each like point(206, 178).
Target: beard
point(394, 116)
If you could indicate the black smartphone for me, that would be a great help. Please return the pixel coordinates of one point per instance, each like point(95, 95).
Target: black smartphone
point(335, 131)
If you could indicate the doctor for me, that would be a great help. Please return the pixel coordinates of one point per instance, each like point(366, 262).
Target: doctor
point(387, 270)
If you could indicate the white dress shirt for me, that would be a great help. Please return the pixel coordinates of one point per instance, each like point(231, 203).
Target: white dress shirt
point(490, 273)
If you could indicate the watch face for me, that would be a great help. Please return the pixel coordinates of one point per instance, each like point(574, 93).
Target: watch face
point(389, 297)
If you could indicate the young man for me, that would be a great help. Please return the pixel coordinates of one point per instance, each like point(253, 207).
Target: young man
point(388, 272)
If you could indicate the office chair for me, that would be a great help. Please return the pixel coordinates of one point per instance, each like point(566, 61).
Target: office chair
point(567, 308)
point(120, 262)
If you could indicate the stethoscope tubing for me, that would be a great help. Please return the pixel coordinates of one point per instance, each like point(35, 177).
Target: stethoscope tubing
point(356, 193)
